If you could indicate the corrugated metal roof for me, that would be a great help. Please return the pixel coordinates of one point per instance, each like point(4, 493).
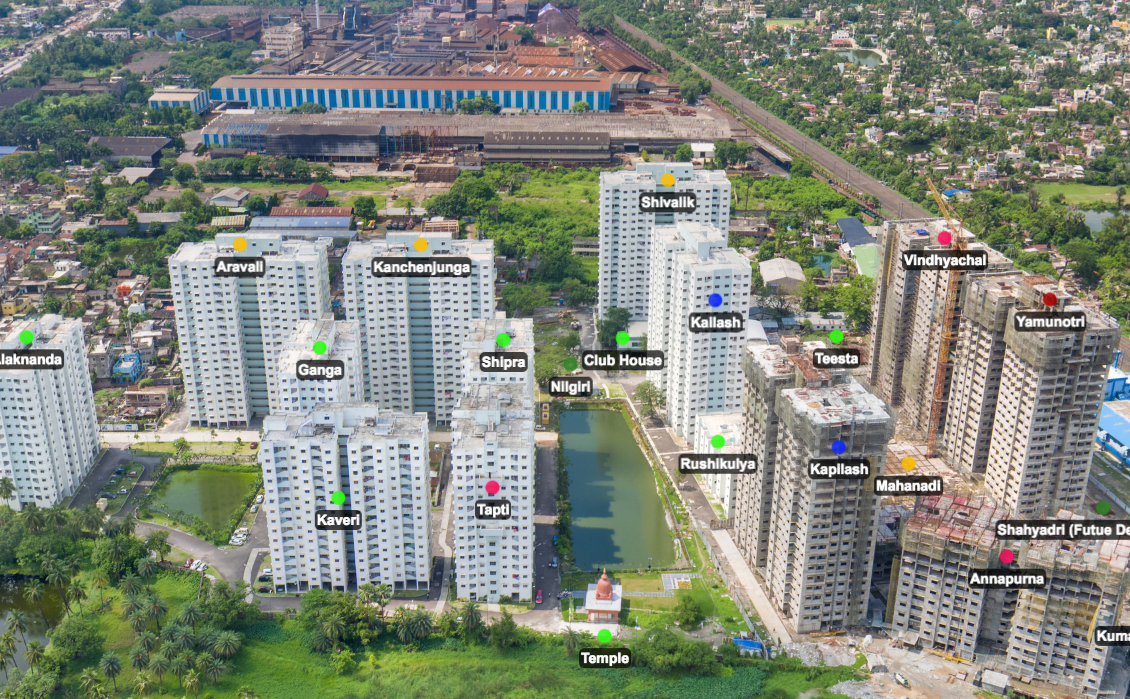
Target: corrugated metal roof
point(229, 221)
point(854, 233)
point(301, 222)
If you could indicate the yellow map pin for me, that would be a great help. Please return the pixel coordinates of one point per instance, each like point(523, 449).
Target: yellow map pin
point(668, 180)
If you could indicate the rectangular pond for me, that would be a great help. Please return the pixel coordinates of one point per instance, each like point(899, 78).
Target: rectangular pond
point(618, 517)
point(210, 495)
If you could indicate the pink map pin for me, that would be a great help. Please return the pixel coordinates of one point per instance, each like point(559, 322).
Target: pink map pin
point(944, 238)
point(492, 487)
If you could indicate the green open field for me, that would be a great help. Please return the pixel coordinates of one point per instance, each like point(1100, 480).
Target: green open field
point(200, 448)
point(1078, 194)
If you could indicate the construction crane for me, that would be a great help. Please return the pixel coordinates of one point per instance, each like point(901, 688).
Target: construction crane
point(953, 290)
point(946, 656)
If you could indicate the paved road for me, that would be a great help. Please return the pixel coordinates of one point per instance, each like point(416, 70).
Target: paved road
point(546, 579)
point(230, 563)
point(112, 460)
point(895, 204)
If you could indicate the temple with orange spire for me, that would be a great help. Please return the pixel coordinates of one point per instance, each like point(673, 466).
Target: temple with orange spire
point(603, 600)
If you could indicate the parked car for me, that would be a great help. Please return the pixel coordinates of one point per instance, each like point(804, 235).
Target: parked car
point(266, 571)
point(188, 563)
point(264, 588)
point(254, 509)
point(258, 499)
point(133, 474)
point(264, 578)
point(123, 491)
point(537, 599)
point(553, 564)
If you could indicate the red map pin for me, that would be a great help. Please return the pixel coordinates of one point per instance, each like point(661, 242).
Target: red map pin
point(1050, 299)
point(944, 238)
point(493, 487)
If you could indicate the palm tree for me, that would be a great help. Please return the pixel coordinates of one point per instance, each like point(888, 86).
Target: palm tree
point(146, 567)
point(17, 619)
point(34, 653)
point(7, 489)
point(156, 609)
point(89, 679)
point(401, 619)
point(116, 552)
point(54, 517)
point(333, 627)
point(182, 640)
point(190, 614)
point(5, 657)
point(32, 518)
point(128, 524)
point(78, 594)
point(111, 666)
point(138, 658)
point(138, 620)
point(91, 519)
point(159, 663)
point(227, 644)
point(215, 670)
point(247, 693)
point(366, 593)
point(382, 595)
point(144, 684)
point(56, 576)
point(192, 681)
point(573, 640)
point(97, 692)
point(100, 582)
point(33, 591)
point(130, 584)
point(1120, 194)
point(147, 640)
point(179, 666)
point(472, 620)
point(421, 624)
point(131, 604)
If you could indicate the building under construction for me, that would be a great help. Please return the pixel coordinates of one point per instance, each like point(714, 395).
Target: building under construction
point(1047, 410)
point(822, 538)
point(933, 605)
point(768, 369)
point(1052, 633)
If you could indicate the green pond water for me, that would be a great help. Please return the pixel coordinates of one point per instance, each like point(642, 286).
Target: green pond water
point(210, 495)
point(12, 597)
point(618, 517)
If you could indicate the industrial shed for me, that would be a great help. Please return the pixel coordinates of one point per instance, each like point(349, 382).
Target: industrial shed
point(540, 147)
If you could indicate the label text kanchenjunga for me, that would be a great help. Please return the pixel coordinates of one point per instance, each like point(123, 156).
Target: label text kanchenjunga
point(31, 359)
point(1035, 321)
point(438, 266)
point(717, 463)
point(945, 259)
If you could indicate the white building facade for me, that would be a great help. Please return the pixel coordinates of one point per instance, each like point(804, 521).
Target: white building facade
point(626, 232)
point(48, 425)
point(412, 328)
point(300, 395)
point(380, 462)
point(231, 329)
point(690, 263)
point(723, 486)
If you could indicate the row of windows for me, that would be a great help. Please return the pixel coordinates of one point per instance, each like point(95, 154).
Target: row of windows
point(541, 100)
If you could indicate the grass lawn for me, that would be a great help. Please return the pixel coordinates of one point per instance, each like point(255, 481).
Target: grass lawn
point(202, 448)
point(1077, 194)
point(591, 266)
point(615, 390)
point(1113, 477)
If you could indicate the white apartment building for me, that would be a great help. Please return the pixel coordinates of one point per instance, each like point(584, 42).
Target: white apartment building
point(380, 461)
point(301, 395)
point(1047, 409)
point(483, 338)
point(48, 425)
point(822, 539)
point(412, 328)
point(231, 329)
point(625, 231)
point(689, 263)
point(493, 440)
point(723, 486)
